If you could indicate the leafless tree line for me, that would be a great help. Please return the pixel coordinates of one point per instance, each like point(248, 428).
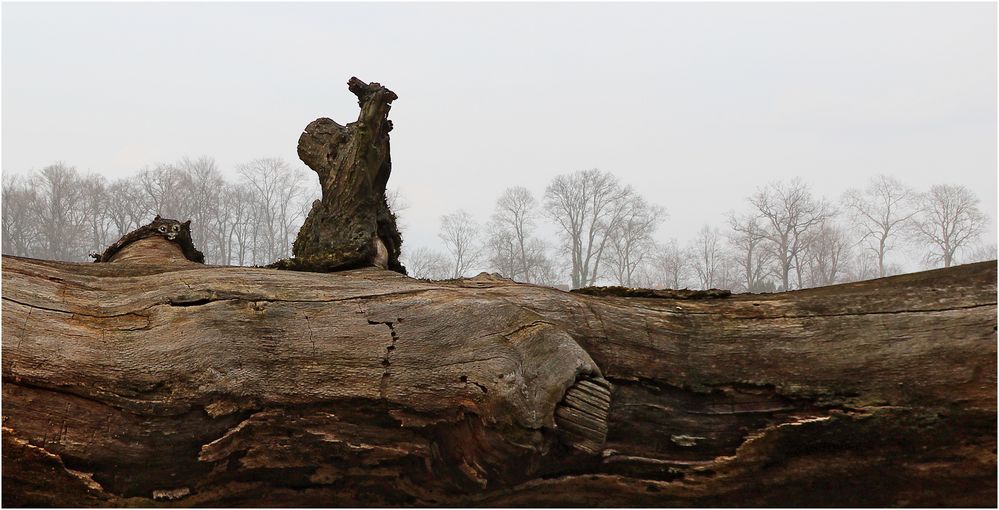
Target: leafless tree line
point(58, 213)
point(784, 238)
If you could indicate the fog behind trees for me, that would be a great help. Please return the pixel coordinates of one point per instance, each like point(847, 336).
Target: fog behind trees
point(58, 213)
point(785, 235)
point(697, 107)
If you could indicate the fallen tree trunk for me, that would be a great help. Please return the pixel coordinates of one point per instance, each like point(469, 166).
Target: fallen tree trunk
point(224, 386)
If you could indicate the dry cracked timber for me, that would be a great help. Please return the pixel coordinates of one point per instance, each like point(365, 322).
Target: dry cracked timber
point(207, 386)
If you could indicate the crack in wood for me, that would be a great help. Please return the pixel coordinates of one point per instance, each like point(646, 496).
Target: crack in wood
point(24, 327)
point(612, 458)
point(525, 327)
point(224, 296)
point(56, 310)
point(386, 359)
point(466, 362)
point(312, 340)
point(117, 401)
point(189, 301)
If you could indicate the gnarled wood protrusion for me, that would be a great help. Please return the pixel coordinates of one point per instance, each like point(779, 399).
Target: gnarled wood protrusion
point(581, 417)
point(158, 242)
point(351, 226)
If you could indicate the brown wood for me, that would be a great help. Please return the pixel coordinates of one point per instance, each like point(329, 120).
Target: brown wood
point(152, 250)
point(134, 384)
point(162, 240)
point(352, 225)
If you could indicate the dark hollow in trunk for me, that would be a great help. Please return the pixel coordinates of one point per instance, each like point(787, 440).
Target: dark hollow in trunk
point(131, 384)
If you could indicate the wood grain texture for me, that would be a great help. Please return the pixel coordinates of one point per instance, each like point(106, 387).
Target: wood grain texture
point(137, 384)
point(152, 250)
point(352, 222)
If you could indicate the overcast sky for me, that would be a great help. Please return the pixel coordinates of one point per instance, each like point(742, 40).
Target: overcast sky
point(696, 104)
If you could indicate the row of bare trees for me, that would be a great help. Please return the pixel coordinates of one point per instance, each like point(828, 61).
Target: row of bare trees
point(60, 214)
point(784, 238)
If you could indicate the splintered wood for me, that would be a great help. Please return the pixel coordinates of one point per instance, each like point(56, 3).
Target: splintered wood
point(582, 415)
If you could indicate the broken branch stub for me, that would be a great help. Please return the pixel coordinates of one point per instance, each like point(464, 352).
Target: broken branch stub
point(352, 225)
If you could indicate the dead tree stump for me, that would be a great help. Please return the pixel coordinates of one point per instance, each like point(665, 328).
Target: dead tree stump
point(352, 225)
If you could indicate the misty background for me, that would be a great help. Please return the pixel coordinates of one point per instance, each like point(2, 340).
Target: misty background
point(697, 111)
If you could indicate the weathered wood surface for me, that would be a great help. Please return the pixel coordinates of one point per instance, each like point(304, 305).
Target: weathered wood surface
point(351, 226)
point(207, 386)
point(152, 250)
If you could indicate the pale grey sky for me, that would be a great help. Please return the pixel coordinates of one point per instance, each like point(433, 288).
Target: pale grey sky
point(696, 104)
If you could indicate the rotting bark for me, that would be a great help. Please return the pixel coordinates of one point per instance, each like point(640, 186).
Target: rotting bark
point(352, 225)
point(132, 384)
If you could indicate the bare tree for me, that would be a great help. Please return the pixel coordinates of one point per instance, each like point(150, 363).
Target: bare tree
point(73, 215)
point(205, 184)
point(241, 219)
point(948, 221)
point(880, 212)
point(460, 235)
point(277, 191)
point(512, 230)
point(789, 213)
point(95, 201)
point(861, 266)
point(706, 253)
point(827, 255)
point(502, 253)
point(125, 208)
point(981, 253)
point(20, 225)
point(864, 266)
point(752, 258)
point(427, 264)
point(512, 248)
point(586, 205)
point(544, 270)
point(165, 190)
point(631, 242)
point(669, 266)
point(218, 249)
point(728, 274)
point(58, 208)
